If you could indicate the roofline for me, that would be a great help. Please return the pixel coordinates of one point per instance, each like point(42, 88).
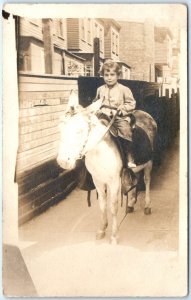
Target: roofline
point(111, 21)
point(69, 53)
point(168, 31)
point(116, 23)
point(121, 62)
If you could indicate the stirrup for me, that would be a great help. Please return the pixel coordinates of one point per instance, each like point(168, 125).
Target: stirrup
point(131, 165)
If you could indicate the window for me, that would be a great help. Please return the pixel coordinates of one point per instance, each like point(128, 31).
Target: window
point(115, 43)
point(37, 57)
point(101, 40)
point(83, 29)
point(89, 31)
point(99, 33)
point(59, 28)
point(96, 30)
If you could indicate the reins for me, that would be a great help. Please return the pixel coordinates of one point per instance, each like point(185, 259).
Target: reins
point(126, 213)
point(82, 153)
point(112, 120)
point(107, 129)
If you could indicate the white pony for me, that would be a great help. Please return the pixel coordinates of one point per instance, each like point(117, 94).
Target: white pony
point(83, 135)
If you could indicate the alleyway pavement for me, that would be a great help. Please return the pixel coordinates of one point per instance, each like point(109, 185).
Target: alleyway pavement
point(64, 258)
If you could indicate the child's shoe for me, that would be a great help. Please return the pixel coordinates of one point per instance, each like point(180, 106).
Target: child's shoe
point(131, 164)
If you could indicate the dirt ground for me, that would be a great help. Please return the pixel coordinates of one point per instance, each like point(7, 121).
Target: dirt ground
point(64, 258)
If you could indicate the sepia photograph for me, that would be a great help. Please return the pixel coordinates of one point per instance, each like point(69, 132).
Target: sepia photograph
point(95, 200)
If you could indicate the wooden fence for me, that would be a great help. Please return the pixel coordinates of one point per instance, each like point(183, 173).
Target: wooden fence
point(141, 89)
point(41, 182)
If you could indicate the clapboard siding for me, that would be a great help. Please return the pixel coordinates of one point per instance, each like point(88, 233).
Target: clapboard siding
point(43, 95)
point(60, 36)
point(107, 43)
point(36, 100)
point(37, 134)
point(29, 27)
point(40, 110)
point(42, 100)
point(85, 46)
point(73, 33)
point(29, 120)
point(161, 53)
point(38, 127)
point(47, 80)
point(37, 159)
point(37, 150)
point(36, 143)
point(40, 87)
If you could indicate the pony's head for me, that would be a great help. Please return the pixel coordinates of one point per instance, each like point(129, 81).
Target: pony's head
point(73, 135)
point(75, 128)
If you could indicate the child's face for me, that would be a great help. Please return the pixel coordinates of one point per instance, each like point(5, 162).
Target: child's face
point(110, 77)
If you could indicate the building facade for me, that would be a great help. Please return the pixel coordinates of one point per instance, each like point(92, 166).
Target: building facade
point(151, 52)
point(163, 53)
point(166, 59)
point(137, 48)
point(31, 46)
point(82, 34)
point(70, 47)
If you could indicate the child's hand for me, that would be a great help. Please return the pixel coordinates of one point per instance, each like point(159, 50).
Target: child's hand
point(120, 110)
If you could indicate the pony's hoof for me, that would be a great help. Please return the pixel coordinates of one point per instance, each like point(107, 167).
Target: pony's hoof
point(100, 235)
point(130, 209)
point(147, 211)
point(113, 240)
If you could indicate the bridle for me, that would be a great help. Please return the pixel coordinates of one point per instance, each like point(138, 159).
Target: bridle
point(84, 150)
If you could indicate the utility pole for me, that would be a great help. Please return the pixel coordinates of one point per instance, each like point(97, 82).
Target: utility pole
point(96, 57)
point(48, 45)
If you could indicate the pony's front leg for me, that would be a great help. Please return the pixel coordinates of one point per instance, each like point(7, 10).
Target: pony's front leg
point(102, 198)
point(147, 180)
point(113, 196)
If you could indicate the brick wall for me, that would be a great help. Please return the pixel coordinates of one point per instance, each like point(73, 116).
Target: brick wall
point(137, 49)
point(149, 51)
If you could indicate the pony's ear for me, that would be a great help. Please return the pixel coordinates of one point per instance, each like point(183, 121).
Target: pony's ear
point(94, 107)
point(73, 105)
point(73, 101)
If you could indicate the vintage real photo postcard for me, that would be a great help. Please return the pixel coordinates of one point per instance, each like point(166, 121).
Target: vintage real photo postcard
point(95, 150)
